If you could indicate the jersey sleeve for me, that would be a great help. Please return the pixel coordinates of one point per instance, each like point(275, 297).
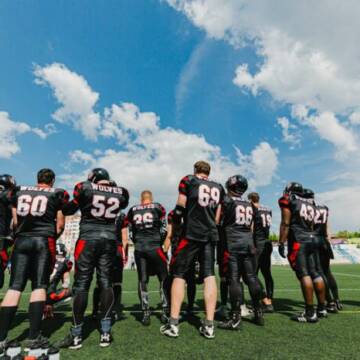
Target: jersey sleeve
point(284, 202)
point(184, 186)
point(129, 217)
point(63, 198)
point(170, 219)
point(72, 206)
point(13, 196)
point(162, 212)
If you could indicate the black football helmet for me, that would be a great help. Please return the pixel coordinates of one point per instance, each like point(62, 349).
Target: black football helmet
point(98, 174)
point(60, 249)
point(237, 184)
point(7, 182)
point(294, 188)
point(112, 183)
point(308, 194)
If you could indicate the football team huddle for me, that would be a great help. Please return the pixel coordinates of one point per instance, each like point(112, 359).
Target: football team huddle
point(208, 225)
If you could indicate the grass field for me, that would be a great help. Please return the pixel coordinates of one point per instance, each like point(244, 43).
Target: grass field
point(337, 337)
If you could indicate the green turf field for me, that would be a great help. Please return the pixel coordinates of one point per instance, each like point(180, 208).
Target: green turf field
point(337, 337)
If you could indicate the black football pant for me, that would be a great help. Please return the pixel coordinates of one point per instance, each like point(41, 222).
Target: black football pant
point(89, 255)
point(264, 265)
point(243, 265)
point(152, 262)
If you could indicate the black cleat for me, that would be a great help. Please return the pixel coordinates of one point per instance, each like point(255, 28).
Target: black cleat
point(322, 314)
point(233, 324)
point(339, 305)
point(268, 309)
point(40, 342)
point(146, 318)
point(170, 330)
point(105, 339)
point(304, 318)
point(331, 308)
point(258, 317)
point(207, 331)
point(70, 342)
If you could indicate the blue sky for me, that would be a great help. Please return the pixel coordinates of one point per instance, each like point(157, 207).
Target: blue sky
point(176, 65)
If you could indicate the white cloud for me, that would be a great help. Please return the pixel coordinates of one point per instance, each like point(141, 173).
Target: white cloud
point(305, 59)
point(48, 130)
point(338, 200)
point(76, 97)
point(329, 128)
point(355, 118)
point(289, 133)
point(187, 75)
point(9, 130)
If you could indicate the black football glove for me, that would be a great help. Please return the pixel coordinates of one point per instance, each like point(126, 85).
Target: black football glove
point(282, 250)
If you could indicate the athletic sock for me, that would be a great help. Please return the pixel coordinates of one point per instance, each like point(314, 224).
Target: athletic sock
point(224, 289)
point(208, 322)
point(173, 321)
point(7, 314)
point(36, 310)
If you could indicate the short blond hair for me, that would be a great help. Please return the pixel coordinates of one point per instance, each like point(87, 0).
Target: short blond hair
point(146, 194)
point(202, 167)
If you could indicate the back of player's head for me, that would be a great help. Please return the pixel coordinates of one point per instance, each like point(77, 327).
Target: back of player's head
point(146, 195)
point(202, 167)
point(236, 184)
point(294, 188)
point(98, 174)
point(7, 182)
point(254, 197)
point(46, 176)
point(308, 194)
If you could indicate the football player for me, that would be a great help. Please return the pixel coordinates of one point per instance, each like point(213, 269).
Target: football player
point(262, 223)
point(297, 229)
point(148, 225)
point(61, 273)
point(117, 275)
point(199, 205)
point(238, 228)
point(99, 202)
point(38, 220)
point(7, 183)
point(173, 238)
point(323, 235)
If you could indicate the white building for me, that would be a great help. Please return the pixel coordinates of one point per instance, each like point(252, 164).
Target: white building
point(71, 233)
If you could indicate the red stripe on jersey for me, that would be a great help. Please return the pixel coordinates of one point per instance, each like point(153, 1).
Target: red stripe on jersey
point(80, 245)
point(182, 244)
point(52, 249)
point(284, 202)
point(293, 254)
point(162, 255)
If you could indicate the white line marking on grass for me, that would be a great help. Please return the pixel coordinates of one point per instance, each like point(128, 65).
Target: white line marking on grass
point(345, 274)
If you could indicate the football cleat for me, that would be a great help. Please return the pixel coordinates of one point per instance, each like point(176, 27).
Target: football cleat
point(207, 331)
point(331, 308)
point(245, 311)
point(233, 324)
point(146, 318)
point(70, 342)
point(40, 342)
point(268, 308)
point(170, 330)
point(164, 318)
point(258, 317)
point(105, 339)
point(304, 318)
point(339, 305)
point(322, 314)
point(3, 347)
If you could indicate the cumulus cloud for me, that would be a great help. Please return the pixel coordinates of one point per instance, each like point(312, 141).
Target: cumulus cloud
point(75, 96)
point(10, 130)
point(304, 59)
point(289, 133)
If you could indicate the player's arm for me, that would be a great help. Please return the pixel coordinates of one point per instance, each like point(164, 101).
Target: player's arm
point(66, 280)
point(284, 230)
point(60, 223)
point(180, 207)
point(14, 218)
point(169, 234)
point(73, 206)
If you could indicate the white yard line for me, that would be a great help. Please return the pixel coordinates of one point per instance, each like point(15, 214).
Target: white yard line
point(345, 274)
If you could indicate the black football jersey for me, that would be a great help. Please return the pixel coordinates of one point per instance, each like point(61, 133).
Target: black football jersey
point(36, 209)
point(5, 213)
point(99, 205)
point(120, 224)
point(321, 220)
point(237, 223)
point(303, 213)
point(204, 196)
point(262, 224)
point(147, 224)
